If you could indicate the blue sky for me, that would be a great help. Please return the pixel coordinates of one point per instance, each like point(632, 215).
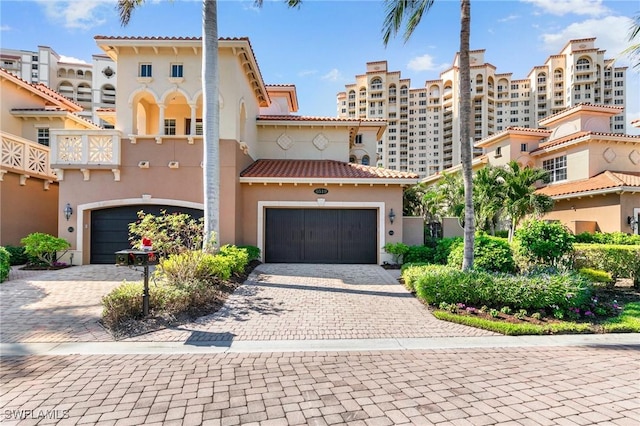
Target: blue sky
point(321, 46)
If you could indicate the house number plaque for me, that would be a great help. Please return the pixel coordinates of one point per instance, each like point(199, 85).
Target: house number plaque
point(321, 191)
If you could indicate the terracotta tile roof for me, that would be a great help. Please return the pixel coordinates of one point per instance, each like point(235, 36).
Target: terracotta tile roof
point(42, 88)
point(270, 168)
point(56, 109)
point(579, 135)
point(314, 118)
point(603, 181)
point(579, 106)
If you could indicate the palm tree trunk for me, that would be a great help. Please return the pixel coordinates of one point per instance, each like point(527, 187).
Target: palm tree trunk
point(211, 124)
point(465, 132)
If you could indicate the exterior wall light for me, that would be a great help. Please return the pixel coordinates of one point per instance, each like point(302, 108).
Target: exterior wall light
point(68, 211)
point(392, 216)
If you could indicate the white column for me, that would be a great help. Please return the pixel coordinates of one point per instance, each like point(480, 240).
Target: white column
point(192, 131)
point(161, 120)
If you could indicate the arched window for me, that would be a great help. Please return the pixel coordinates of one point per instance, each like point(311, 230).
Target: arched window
point(108, 94)
point(84, 92)
point(365, 160)
point(352, 95)
point(66, 89)
point(376, 83)
point(80, 74)
point(352, 158)
point(583, 64)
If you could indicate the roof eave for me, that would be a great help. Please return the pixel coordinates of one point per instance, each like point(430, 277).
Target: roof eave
point(603, 191)
point(328, 181)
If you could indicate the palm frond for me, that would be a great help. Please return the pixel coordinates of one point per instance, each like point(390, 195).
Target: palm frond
point(126, 8)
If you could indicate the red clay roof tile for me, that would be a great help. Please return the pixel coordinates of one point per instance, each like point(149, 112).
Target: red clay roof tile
point(604, 180)
point(271, 168)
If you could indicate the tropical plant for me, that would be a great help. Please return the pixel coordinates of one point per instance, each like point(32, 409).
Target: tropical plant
point(169, 233)
point(543, 243)
point(397, 250)
point(44, 247)
point(5, 264)
point(518, 189)
point(412, 11)
point(488, 199)
point(634, 50)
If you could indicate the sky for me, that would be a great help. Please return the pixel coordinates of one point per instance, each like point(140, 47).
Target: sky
point(323, 45)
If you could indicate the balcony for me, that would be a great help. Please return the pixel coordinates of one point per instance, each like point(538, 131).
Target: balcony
point(24, 157)
point(85, 149)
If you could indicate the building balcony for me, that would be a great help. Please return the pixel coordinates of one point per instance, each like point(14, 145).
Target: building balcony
point(84, 149)
point(25, 157)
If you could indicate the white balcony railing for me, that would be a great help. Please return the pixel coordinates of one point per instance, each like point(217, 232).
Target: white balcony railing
point(25, 157)
point(84, 148)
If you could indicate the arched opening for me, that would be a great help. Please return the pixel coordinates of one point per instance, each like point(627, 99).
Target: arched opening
point(108, 94)
point(84, 92)
point(365, 160)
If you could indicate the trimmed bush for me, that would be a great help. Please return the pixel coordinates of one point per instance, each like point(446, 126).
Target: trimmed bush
point(195, 266)
point(420, 254)
point(617, 238)
point(538, 242)
point(44, 247)
point(621, 261)
point(398, 250)
point(410, 274)
point(5, 264)
point(489, 254)
point(238, 257)
point(252, 251)
point(560, 292)
point(17, 255)
point(597, 276)
point(444, 247)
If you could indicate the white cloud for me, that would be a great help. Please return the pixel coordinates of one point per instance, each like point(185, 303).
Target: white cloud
point(564, 7)
point(333, 75)
point(614, 42)
point(72, 60)
point(5, 28)
point(509, 18)
point(424, 63)
point(78, 14)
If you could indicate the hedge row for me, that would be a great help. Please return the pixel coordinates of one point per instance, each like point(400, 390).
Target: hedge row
point(621, 261)
point(436, 284)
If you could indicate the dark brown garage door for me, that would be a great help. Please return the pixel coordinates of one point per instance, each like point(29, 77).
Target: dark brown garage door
point(110, 228)
point(321, 236)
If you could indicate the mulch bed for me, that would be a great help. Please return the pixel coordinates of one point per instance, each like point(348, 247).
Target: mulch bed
point(159, 321)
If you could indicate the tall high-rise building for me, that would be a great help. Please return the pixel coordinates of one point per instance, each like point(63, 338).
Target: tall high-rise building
point(423, 123)
point(92, 86)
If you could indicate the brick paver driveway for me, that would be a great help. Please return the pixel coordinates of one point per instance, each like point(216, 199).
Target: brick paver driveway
point(511, 386)
point(58, 306)
point(308, 302)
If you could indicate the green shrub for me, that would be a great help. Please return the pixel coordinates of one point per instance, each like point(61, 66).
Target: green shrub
point(398, 250)
point(489, 254)
point(238, 257)
point(438, 284)
point(5, 264)
point(617, 238)
point(169, 233)
point(444, 247)
point(44, 247)
point(252, 251)
point(621, 261)
point(195, 266)
point(410, 273)
point(17, 255)
point(538, 242)
point(419, 254)
point(124, 303)
point(597, 275)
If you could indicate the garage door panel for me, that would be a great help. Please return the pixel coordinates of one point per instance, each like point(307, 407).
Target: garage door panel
point(325, 236)
point(110, 228)
point(287, 245)
point(321, 242)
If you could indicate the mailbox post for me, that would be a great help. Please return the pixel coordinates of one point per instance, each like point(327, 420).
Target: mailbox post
point(139, 258)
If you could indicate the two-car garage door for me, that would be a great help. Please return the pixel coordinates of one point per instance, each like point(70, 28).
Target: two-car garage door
point(321, 236)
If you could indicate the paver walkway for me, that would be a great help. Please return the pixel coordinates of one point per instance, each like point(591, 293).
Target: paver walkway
point(514, 386)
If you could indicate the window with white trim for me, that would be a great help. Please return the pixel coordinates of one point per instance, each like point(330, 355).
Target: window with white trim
point(170, 126)
point(145, 70)
point(43, 136)
point(557, 168)
point(177, 70)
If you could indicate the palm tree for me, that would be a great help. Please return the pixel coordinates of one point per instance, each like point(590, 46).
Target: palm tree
point(519, 193)
point(488, 197)
point(634, 50)
point(412, 11)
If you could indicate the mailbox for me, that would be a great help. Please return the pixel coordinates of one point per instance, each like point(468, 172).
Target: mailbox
point(136, 258)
